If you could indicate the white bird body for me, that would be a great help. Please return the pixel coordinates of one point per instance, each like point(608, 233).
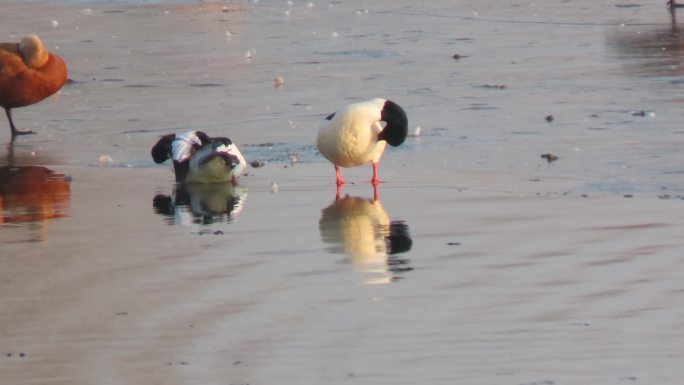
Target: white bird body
point(354, 135)
point(350, 138)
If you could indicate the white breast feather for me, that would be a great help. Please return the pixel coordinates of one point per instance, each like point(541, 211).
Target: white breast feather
point(350, 138)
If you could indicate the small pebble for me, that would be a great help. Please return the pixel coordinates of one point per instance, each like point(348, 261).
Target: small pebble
point(549, 118)
point(457, 56)
point(416, 132)
point(294, 157)
point(256, 164)
point(454, 243)
point(105, 160)
point(278, 81)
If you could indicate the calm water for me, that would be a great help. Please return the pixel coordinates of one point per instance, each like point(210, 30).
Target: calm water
point(610, 76)
point(112, 274)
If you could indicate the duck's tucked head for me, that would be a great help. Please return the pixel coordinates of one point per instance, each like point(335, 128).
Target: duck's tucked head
point(396, 124)
point(33, 51)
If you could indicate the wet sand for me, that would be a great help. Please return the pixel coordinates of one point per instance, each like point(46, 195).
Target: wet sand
point(480, 262)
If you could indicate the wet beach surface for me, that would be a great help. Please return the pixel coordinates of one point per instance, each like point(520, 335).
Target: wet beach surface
point(481, 262)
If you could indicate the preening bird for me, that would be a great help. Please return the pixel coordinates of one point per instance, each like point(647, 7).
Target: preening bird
point(355, 135)
point(28, 74)
point(198, 158)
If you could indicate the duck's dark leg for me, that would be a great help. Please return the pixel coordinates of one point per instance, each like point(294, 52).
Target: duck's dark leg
point(15, 132)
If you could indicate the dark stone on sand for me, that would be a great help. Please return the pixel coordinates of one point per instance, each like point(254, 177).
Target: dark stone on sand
point(550, 157)
point(457, 56)
point(454, 243)
point(549, 118)
point(256, 164)
point(494, 86)
point(639, 113)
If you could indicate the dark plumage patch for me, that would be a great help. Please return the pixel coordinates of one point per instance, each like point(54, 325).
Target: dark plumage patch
point(217, 141)
point(399, 240)
point(162, 150)
point(396, 128)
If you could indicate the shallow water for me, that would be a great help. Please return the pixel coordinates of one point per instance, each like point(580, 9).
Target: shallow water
point(608, 74)
point(477, 261)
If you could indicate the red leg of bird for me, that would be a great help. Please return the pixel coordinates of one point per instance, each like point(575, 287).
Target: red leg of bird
point(338, 192)
point(376, 196)
point(340, 181)
point(374, 180)
point(15, 132)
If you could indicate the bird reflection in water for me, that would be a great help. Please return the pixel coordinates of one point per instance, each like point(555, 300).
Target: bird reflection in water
point(361, 228)
point(32, 195)
point(650, 50)
point(201, 204)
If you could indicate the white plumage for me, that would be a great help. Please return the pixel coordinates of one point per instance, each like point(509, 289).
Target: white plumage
point(355, 135)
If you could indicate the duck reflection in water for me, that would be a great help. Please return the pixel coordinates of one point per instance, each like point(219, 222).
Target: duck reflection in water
point(201, 204)
point(32, 195)
point(361, 228)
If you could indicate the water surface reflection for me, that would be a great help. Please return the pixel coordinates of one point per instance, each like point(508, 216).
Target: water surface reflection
point(361, 229)
point(32, 195)
point(650, 50)
point(202, 204)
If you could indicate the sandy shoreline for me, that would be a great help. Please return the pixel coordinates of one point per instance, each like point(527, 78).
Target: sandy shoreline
point(519, 271)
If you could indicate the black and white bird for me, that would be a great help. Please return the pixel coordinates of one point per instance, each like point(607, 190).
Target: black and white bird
point(355, 135)
point(198, 158)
